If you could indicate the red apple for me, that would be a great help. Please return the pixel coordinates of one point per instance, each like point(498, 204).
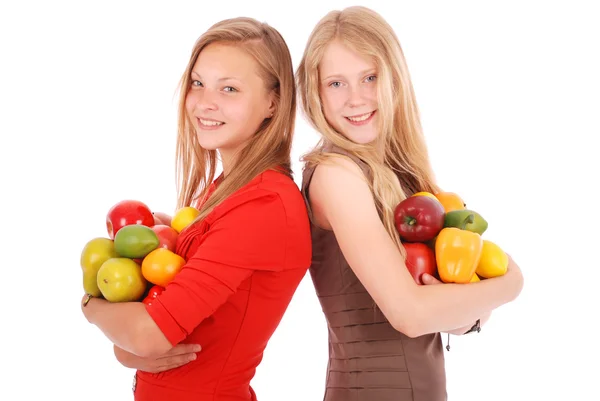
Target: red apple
point(419, 218)
point(125, 213)
point(167, 236)
point(420, 259)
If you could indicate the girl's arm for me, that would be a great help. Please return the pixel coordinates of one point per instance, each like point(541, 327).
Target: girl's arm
point(199, 289)
point(429, 280)
point(127, 325)
point(226, 258)
point(341, 197)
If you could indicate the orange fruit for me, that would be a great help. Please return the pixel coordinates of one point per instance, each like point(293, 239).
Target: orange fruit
point(450, 201)
point(161, 266)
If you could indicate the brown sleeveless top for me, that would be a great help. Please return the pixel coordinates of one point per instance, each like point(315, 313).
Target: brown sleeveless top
point(368, 359)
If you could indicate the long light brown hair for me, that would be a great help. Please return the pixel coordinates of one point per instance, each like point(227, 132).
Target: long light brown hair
point(269, 147)
point(398, 159)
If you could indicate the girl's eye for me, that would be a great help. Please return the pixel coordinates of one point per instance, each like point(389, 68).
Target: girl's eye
point(229, 89)
point(371, 78)
point(335, 84)
point(196, 83)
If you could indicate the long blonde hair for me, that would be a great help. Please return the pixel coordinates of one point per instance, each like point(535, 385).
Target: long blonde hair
point(269, 148)
point(398, 159)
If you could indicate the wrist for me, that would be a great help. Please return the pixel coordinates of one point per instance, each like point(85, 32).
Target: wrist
point(475, 328)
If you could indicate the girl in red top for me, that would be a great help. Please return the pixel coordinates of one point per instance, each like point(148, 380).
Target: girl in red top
point(250, 247)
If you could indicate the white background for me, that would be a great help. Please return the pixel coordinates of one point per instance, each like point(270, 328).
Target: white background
point(509, 94)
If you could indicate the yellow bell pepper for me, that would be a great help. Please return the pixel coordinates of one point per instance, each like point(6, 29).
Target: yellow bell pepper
point(457, 253)
point(493, 261)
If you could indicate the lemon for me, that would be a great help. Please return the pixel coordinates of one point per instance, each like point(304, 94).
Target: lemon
point(493, 261)
point(184, 217)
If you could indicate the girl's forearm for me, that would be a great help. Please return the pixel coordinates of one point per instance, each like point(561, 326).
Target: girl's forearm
point(128, 326)
point(444, 308)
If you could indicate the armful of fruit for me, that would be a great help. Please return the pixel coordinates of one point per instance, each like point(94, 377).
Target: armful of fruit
point(127, 270)
point(443, 239)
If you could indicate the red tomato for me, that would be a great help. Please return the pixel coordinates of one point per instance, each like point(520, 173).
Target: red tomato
point(420, 259)
point(125, 213)
point(167, 236)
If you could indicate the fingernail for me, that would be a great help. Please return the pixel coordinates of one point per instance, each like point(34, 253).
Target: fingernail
point(192, 357)
point(197, 348)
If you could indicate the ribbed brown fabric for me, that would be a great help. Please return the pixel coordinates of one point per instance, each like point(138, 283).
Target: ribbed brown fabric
point(368, 359)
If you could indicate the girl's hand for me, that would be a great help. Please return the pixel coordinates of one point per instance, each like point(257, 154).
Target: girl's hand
point(162, 218)
point(428, 279)
point(178, 356)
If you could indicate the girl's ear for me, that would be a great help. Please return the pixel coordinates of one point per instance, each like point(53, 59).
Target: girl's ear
point(272, 105)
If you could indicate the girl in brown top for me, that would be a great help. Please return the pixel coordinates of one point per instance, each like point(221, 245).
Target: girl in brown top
point(384, 329)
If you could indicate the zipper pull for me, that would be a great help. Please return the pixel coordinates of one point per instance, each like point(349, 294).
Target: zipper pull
point(448, 344)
